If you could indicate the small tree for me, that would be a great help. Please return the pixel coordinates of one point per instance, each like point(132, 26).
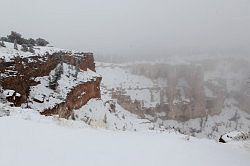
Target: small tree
point(15, 36)
point(31, 49)
point(53, 82)
point(41, 42)
point(15, 45)
point(24, 48)
point(31, 42)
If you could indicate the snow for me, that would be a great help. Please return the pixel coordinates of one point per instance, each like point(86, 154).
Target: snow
point(8, 53)
point(68, 80)
point(95, 111)
point(235, 135)
point(139, 88)
point(29, 139)
point(147, 91)
point(208, 92)
point(213, 126)
point(8, 92)
point(122, 78)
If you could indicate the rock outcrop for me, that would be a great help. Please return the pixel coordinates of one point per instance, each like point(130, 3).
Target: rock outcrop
point(20, 75)
point(78, 97)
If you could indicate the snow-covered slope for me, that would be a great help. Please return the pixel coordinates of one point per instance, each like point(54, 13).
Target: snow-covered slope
point(152, 93)
point(29, 139)
point(68, 80)
point(98, 113)
point(8, 53)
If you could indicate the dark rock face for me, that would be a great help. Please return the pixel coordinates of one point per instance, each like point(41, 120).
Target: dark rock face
point(20, 73)
point(221, 140)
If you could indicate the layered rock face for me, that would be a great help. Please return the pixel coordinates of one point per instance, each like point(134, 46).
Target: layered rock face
point(182, 99)
point(78, 97)
point(178, 92)
point(20, 75)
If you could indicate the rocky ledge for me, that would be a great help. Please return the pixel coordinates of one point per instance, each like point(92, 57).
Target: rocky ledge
point(53, 83)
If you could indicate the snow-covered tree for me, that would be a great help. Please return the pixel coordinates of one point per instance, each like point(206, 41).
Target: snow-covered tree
point(41, 42)
point(15, 37)
point(53, 82)
point(31, 42)
point(31, 49)
point(24, 48)
point(77, 69)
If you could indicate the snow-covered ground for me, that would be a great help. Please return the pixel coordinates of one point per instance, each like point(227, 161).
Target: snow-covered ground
point(147, 90)
point(8, 53)
point(98, 113)
point(137, 87)
point(28, 139)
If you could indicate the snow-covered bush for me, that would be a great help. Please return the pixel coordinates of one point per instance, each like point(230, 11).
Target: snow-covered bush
point(31, 49)
point(41, 42)
point(24, 48)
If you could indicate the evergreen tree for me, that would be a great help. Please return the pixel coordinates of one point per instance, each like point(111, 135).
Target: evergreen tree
point(15, 36)
point(41, 42)
point(31, 49)
point(53, 82)
point(31, 42)
point(24, 48)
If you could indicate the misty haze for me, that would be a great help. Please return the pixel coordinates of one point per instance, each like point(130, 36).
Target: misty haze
point(135, 82)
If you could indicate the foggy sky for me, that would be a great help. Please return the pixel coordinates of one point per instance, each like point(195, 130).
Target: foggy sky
point(135, 27)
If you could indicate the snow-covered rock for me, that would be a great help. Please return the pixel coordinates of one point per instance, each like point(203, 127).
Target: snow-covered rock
point(234, 136)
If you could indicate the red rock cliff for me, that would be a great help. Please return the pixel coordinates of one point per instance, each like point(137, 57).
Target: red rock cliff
point(19, 74)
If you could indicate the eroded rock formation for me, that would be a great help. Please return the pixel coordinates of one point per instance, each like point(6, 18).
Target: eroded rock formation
point(20, 75)
point(185, 93)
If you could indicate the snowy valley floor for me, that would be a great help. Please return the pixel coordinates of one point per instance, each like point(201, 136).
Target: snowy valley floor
point(49, 142)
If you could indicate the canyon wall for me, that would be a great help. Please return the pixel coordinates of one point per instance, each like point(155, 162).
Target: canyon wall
point(19, 75)
point(78, 97)
point(183, 96)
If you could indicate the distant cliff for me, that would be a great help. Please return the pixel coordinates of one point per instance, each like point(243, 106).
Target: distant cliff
point(177, 92)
